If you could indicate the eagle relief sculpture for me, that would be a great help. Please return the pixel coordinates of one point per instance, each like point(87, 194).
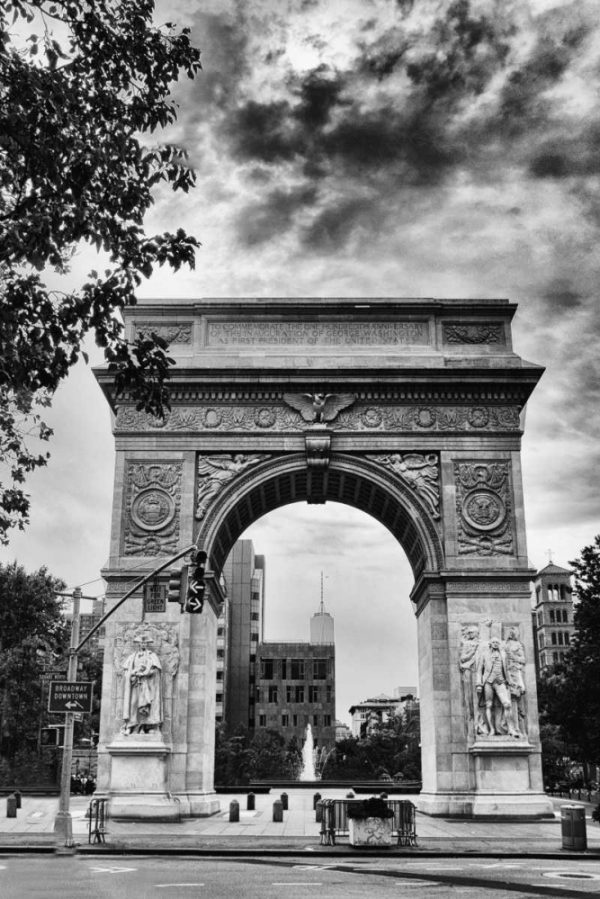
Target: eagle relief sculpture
point(319, 407)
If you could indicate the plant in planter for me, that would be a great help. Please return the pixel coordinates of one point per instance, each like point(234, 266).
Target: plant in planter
point(370, 822)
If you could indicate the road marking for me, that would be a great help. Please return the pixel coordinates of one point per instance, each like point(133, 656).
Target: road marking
point(417, 883)
point(496, 865)
point(163, 886)
point(99, 870)
point(296, 883)
point(568, 875)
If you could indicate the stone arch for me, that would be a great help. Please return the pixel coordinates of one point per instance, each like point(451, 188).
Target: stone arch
point(351, 480)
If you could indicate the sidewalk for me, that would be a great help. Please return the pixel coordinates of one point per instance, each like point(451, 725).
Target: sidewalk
point(256, 833)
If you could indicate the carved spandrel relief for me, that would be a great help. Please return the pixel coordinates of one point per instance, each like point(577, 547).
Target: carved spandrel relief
point(484, 508)
point(146, 661)
point(361, 417)
point(215, 472)
point(173, 332)
point(153, 506)
point(484, 333)
point(335, 334)
point(491, 661)
point(420, 471)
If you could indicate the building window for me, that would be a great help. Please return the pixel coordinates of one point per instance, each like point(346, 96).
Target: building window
point(254, 616)
point(319, 669)
point(297, 670)
point(295, 720)
point(329, 689)
point(219, 697)
point(219, 675)
point(555, 657)
point(254, 638)
point(262, 720)
point(315, 721)
point(313, 693)
point(253, 657)
point(220, 631)
point(220, 653)
point(567, 639)
point(299, 694)
point(551, 616)
point(284, 669)
point(285, 720)
point(273, 694)
point(258, 694)
point(554, 638)
point(326, 720)
point(289, 694)
point(266, 669)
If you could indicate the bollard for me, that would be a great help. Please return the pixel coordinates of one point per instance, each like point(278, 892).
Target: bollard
point(11, 806)
point(234, 810)
point(316, 798)
point(350, 795)
point(277, 810)
point(319, 812)
point(284, 801)
point(251, 802)
point(18, 798)
point(573, 827)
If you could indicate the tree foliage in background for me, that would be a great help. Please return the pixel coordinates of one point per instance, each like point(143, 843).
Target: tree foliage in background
point(241, 757)
point(33, 636)
point(391, 751)
point(83, 85)
point(570, 692)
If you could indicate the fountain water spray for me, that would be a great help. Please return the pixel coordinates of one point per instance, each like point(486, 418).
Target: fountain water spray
point(308, 756)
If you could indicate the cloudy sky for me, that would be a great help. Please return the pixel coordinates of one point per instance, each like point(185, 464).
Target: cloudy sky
point(376, 148)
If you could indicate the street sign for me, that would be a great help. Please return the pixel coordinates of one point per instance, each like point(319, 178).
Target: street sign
point(155, 597)
point(70, 696)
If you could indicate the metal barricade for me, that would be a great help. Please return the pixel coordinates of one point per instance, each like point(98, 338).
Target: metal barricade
point(334, 821)
point(97, 814)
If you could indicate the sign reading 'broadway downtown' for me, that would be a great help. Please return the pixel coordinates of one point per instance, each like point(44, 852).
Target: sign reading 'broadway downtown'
point(69, 696)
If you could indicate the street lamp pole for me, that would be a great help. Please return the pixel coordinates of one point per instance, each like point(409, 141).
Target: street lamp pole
point(63, 823)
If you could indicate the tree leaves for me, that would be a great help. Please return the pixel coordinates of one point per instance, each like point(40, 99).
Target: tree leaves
point(77, 96)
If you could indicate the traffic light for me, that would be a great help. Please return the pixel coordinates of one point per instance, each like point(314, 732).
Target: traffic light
point(174, 588)
point(196, 587)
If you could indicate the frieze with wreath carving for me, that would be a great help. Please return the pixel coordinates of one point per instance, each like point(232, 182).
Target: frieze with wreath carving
point(362, 417)
point(153, 508)
point(484, 508)
point(172, 332)
point(421, 471)
point(484, 333)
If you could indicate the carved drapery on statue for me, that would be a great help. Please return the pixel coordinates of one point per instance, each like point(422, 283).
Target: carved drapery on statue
point(153, 504)
point(484, 508)
point(216, 471)
point(146, 659)
point(491, 660)
point(421, 471)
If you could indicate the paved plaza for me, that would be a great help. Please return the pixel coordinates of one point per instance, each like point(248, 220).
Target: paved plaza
point(256, 831)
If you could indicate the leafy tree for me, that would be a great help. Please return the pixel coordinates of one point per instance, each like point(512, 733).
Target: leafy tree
point(391, 750)
point(32, 631)
point(83, 84)
point(570, 692)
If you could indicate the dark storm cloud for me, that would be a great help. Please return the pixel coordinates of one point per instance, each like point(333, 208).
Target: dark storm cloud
point(560, 296)
point(332, 227)
point(260, 222)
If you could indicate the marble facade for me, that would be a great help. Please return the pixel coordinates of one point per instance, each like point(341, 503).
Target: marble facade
point(412, 411)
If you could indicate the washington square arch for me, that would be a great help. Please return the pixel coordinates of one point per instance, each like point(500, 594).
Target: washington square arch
point(409, 410)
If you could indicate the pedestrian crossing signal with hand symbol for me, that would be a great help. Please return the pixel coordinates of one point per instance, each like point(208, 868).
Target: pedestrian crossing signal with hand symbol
point(196, 587)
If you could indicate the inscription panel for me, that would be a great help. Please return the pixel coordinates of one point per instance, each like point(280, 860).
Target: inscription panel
point(244, 333)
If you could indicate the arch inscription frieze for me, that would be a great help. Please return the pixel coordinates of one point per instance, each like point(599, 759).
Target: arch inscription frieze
point(363, 416)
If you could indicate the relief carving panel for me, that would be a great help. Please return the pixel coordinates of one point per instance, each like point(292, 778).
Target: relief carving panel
point(215, 472)
point(484, 508)
point(361, 417)
point(173, 332)
point(153, 505)
point(491, 661)
point(421, 471)
point(488, 332)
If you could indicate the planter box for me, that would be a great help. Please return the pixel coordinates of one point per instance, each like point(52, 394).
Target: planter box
point(370, 831)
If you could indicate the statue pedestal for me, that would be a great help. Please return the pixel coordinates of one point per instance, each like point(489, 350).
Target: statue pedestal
point(138, 788)
point(503, 779)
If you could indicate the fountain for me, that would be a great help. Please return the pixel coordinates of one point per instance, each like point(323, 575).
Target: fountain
point(308, 757)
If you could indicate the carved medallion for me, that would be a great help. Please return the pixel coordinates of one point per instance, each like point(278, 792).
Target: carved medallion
point(484, 507)
point(153, 500)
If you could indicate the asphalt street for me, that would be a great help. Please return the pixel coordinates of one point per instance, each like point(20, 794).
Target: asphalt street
point(118, 877)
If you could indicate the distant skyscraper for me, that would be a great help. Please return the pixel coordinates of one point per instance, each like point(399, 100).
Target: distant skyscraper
point(321, 626)
point(239, 633)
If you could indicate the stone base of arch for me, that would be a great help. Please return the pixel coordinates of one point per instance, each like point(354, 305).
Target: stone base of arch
point(491, 804)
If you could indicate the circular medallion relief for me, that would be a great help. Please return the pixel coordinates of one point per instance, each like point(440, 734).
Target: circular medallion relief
point(152, 509)
point(212, 418)
point(371, 418)
point(425, 417)
point(265, 418)
point(483, 510)
point(478, 417)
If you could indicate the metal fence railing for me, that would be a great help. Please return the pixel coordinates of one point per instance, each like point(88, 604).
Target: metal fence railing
point(334, 820)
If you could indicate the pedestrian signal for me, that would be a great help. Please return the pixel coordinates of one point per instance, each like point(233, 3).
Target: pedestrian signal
point(174, 588)
point(196, 587)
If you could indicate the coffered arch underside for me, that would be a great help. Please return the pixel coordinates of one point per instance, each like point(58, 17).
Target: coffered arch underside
point(351, 481)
